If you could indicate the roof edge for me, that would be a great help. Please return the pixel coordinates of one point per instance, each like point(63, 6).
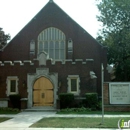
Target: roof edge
point(50, 1)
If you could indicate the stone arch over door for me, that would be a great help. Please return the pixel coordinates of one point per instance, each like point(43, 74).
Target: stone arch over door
point(43, 94)
point(32, 78)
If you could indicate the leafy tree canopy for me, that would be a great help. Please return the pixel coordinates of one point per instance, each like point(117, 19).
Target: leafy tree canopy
point(115, 18)
point(3, 38)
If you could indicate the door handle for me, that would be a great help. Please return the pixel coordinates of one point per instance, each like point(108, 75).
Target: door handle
point(43, 95)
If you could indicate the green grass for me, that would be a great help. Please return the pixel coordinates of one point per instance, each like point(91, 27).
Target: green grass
point(78, 122)
point(2, 119)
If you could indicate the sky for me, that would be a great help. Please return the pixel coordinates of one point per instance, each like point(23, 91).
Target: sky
point(15, 14)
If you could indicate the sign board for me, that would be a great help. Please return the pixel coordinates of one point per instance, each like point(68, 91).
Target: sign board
point(119, 93)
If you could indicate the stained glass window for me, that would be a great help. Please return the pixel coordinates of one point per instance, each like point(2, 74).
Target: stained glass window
point(52, 41)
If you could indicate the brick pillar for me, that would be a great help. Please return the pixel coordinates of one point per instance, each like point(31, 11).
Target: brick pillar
point(106, 93)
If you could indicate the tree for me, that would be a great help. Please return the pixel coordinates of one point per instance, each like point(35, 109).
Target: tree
point(115, 18)
point(3, 38)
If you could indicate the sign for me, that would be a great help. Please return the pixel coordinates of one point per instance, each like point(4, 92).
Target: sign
point(119, 93)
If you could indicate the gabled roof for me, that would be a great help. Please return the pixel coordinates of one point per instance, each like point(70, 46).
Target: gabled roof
point(53, 5)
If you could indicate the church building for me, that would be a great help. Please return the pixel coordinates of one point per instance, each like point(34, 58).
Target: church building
point(52, 54)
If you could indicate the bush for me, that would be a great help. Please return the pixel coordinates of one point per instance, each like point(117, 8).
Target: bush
point(7, 109)
point(66, 100)
point(91, 100)
point(15, 100)
point(82, 109)
point(99, 105)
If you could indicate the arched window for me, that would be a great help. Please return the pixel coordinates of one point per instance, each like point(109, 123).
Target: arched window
point(52, 41)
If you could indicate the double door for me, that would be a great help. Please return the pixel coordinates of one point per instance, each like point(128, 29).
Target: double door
point(43, 92)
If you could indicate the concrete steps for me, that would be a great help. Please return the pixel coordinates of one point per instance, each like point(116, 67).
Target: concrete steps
point(41, 109)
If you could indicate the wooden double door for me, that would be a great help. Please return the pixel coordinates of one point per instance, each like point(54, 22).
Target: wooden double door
point(43, 92)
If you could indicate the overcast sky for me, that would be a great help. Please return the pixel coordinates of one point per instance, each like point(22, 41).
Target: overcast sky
point(15, 14)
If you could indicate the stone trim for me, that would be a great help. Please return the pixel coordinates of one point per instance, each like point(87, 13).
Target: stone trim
point(18, 61)
point(89, 59)
point(8, 85)
point(31, 78)
point(53, 62)
point(4, 99)
point(69, 85)
point(83, 63)
point(24, 99)
point(8, 62)
point(92, 75)
point(73, 63)
point(68, 60)
point(78, 59)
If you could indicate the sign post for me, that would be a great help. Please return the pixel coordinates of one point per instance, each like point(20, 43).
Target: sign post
point(102, 76)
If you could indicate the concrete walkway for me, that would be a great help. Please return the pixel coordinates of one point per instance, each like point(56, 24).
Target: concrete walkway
point(23, 120)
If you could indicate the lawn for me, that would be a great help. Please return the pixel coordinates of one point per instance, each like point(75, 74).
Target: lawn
point(2, 119)
point(78, 122)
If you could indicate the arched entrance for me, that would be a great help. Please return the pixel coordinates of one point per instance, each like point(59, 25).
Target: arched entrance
point(43, 94)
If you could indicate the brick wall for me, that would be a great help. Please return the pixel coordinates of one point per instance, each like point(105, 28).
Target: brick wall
point(84, 46)
point(81, 68)
point(106, 93)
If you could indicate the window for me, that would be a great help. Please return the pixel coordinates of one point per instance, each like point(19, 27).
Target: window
point(32, 46)
point(73, 84)
point(12, 85)
point(52, 41)
point(70, 49)
point(70, 45)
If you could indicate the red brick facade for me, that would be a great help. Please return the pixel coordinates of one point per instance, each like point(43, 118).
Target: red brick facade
point(84, 47)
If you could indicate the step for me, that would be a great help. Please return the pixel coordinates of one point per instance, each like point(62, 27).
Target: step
point(39, 108)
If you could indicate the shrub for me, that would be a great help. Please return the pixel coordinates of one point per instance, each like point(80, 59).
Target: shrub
point(15, 100)
point(7, 109)
point(99, 105)
point(82, 109)
point(66, 100)
point(91, 100)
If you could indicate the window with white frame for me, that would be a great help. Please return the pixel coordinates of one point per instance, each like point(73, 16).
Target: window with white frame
point(12, 85)
point(52, 41)
point(73, 84)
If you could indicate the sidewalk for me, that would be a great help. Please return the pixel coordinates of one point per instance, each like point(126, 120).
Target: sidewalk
point(23, 120)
